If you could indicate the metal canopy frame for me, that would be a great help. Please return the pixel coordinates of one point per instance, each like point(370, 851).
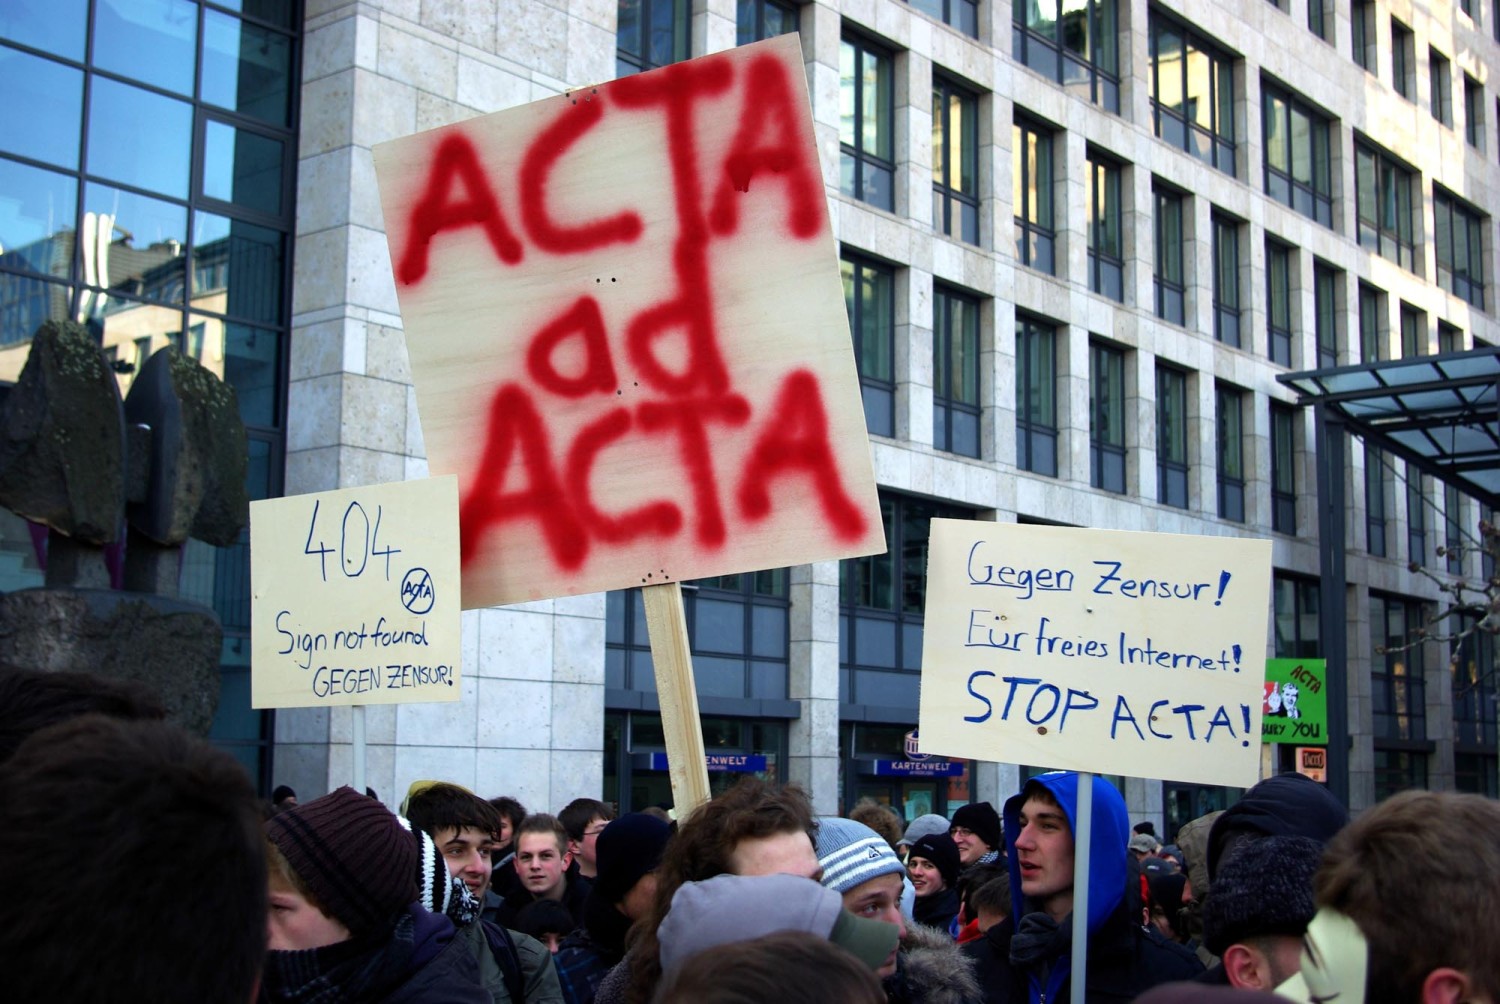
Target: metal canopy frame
point(1439, 413)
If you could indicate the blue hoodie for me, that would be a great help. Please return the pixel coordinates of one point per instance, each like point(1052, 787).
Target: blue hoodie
point(1107, 858)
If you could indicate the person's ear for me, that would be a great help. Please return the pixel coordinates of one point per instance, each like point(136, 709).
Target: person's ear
point(1446, 985)
point(1246, 968)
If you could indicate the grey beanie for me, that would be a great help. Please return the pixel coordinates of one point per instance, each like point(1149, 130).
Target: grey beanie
point(851, 853)
point(1262, 888)
point(923, 826)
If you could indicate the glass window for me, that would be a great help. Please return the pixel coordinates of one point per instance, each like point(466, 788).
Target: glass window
point(1398, 669)
point(1450, 338)
point(247, 68)
point(1403, 60)
point(1473, 112)
point(1362, 33)
point(1171, 284)
point(1106, 251)
point(870, 297)
point(1072, 42)
point(1171, 437)
point(881, 599)
point(1226, 280)
point(1440, 86)
point(1416, 516)
point(1372, 343)
point(1383, 195)
point(36, 228)
point(955, 372)
point(960, 14)
point(866, 123)
point(1283, 469)
point(1230, 418)
point(115, 151)
point(1374, 501)
point(1036, 396)
point(243, 167)
point(1459, 235)
point(1326, 313)
point(1317, 19)
point(761, 19)
point(1279, 301)
point(1296, 602)
point(1474, 671)
point(1031, 171)
point(955, 161)
point(43, 107)
point(650, 33)
point(1413, 332)
point(1192, 93)
point(1107, 416)
point(1298, 163)
point(153, 41)
point(55, 26)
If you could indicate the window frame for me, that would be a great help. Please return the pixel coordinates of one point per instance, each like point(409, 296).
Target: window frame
point(1172, 438)
point(1391, 231)
point(1227, 301)
point(1107, 410)
point(1364, 48)
point(1229, 424)
point(1106, 264)
point(1326, 316)
point(960, 15)
point(1036, 426)
point(1474, 127)
point(1093, 74)
point(1374, 347)
point(1448, 213)
point(876, 388)
point(1279, 302)
point(755, 30)
point(1036, 238)
point(1215, 143)
point(948, 409)
point(1403, 60)
point(1440, 87)
point(1283, 468)
point(629, 61)
point(1312, 198)
point(1169, 276)
point(855, 161)
point(1376, 510)
point(948, 201)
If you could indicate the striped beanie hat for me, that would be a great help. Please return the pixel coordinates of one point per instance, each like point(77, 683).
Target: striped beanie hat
point(352, 854)
point(434, 884)
point(851, 853)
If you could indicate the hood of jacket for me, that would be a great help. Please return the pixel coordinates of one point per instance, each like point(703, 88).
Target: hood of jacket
point(1107, 847)
point(931, 969)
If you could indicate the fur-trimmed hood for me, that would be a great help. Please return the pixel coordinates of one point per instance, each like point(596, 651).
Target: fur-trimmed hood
point(931, 969)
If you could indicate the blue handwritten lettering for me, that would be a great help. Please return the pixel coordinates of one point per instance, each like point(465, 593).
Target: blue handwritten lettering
point(1027, 581)
point(1053, 645)
point(988, 707)
point(1112, 584)
point(1124, 714)
point(983, 635)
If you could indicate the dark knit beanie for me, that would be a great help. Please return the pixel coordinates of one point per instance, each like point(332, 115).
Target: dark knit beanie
point(1262, 888)
point(626, 850)
point(981, 819)
point(940, 849)
point(353, 855)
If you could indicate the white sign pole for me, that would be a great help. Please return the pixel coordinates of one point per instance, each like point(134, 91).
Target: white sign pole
point(359, 748)
point(1082, 839)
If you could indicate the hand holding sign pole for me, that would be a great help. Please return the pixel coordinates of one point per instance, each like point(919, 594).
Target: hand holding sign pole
point(627, 335)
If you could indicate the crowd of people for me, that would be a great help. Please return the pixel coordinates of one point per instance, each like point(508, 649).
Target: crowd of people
point(139, 864)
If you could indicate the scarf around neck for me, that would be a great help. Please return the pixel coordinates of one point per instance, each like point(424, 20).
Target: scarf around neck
point(357, 970)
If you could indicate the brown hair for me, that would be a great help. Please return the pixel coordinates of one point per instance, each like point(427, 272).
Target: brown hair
point(1420, 875)
point(541, 822)
point(702, 849)
point(789, 967)
point(279, 871)
point(880, 818)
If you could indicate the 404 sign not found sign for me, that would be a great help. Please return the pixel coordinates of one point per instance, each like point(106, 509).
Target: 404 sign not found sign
point(355, 596)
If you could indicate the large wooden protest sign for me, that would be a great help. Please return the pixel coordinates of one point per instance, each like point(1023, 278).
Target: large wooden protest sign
point(627, 331)
point(1096, 650)
point(355, 596)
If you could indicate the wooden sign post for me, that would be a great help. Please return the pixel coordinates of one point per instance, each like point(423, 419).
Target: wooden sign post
point(627, 335)
point(677, 692)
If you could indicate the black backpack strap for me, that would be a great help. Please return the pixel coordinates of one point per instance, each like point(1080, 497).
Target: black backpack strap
point(503, 948)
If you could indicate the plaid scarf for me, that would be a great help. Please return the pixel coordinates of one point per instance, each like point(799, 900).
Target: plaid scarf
point(350, 971)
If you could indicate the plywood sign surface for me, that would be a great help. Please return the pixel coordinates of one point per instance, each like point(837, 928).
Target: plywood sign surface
point(1106, 651)
point(355, 596)
point(627, 331)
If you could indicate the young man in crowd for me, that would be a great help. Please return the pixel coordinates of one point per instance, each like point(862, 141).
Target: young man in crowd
point(546, 869)
point(862, 867)
point(133, 866)
point(933, 865)
point(629, 852)
point(513, 967)
point(754, 828)
point(1259, 911)
point(976, 831)
point(585, 819)
point(1031, 951)
point(504, 880)
point(1406, 897)
point(345, 923)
